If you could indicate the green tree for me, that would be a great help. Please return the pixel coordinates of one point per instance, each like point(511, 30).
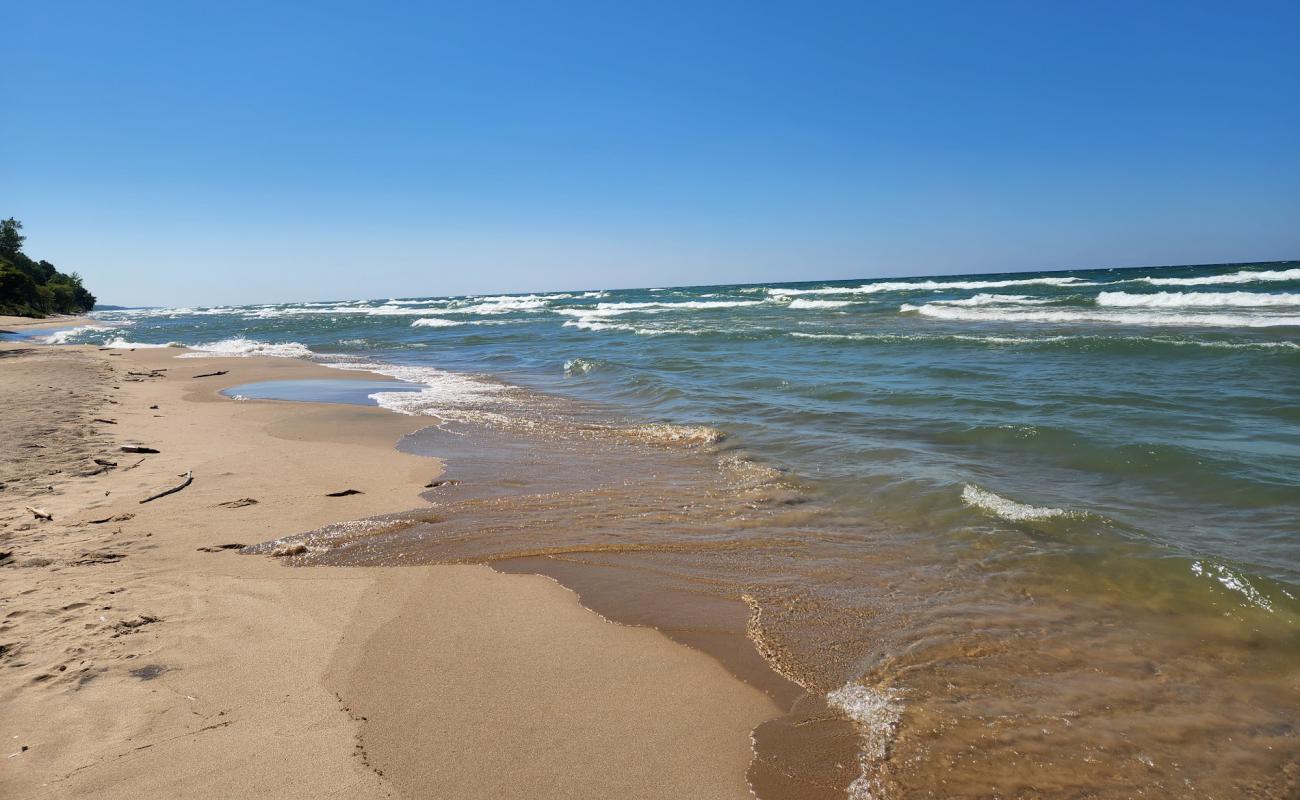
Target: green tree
point(11, 241)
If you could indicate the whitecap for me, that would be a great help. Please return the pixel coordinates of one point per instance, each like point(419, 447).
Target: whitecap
point(910, 286)
point(875, 713)
point(1009, 510)
point(983, 299)
point(63, 337)
point(1067, 316)
point(1242, 276)
point(434, 322)
point(1196, 299)
point(800, 302)
point(240, 348)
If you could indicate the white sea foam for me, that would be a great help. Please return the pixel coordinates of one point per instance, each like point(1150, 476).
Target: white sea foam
point(910, 286)
point(983, 299)
point(1009, 510)
point(1242, 276)
point(118, 343)
point(502, 305)
point(875, 713)
point(579, 366)
point(1196, 299)
point(434, 322)
point(240, 348)
point(1067, 316)
point(801, 302)
point(1233, 581)
point(63, 337)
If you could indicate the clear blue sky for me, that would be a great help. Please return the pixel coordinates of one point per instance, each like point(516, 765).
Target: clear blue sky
point(202, 153)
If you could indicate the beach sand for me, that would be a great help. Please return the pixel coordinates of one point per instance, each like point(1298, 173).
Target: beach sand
point(144, 656)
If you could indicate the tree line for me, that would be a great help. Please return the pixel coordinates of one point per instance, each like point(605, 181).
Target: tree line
point(35, 288)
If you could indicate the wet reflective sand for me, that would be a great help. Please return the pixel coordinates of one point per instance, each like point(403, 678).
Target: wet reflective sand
point(955, 666)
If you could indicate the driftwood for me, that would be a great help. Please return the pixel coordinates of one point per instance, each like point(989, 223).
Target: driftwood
point(240, 503)
point(40, 513)
point(105, 421)
point(104, 462)
point(133, 466)
point(137, 448)
point(344, 493)
point(113, 518)
point(189, 478)
point(211, 374)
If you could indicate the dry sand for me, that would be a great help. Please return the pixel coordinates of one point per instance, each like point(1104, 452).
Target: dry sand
point(142, 660)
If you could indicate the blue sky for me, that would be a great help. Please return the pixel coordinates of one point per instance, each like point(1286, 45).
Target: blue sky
point(204, 153)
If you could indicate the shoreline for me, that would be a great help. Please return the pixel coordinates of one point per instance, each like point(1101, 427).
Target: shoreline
point(247, 674)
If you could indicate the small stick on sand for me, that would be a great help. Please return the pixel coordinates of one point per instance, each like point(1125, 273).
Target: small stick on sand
point(210, 374)
point(137, 448)
point(189, 478)
point(133, 466)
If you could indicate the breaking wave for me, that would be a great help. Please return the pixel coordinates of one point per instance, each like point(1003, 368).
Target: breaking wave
point(1009, 510)
point(800, 302)
point(1115, 318)
point(913, 286)
point(1243, 276)
point(243, 348)
point(1195, 299)
point(434, 322)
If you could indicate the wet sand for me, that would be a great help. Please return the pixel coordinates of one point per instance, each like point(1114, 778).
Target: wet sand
point(144, 657)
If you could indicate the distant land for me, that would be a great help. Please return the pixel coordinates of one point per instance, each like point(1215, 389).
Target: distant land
point(35, 288)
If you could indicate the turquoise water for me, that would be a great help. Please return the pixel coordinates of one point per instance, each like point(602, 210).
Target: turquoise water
point(1158, 407)
point(1013, 505)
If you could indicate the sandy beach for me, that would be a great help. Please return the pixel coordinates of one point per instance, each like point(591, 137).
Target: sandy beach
point(142, 655)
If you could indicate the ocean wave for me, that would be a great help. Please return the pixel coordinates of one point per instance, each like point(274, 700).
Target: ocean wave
point(929, 285)
point(1232, 581)
point(1196, 299)
point(371, 311)
point(1108, 317)
point(445, 394)
point(613, 309)
point(242, 348)
point(1242, 276)
point(800, 302)
point(1041, 340)
point(667, 433)
point(875, 713)
point(983, 299)
point(118, 343)
point(579, 366)
point(64, 337)
point(1009, 510)
point(434, 322)
point(501, 305)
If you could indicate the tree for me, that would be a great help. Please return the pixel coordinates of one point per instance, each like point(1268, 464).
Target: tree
point(11, 241)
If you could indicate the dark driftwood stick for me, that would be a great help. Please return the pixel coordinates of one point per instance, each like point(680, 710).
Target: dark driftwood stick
point(137, 448)
point(189, 478)
point(210, 374)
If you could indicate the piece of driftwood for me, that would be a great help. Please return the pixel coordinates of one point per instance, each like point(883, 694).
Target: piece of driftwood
point(104, 462)
point(211, 374)
point(133, 466)
point(113, 518)
point(40, 513)
point(137, 448)
point(189, 478)
point(105, 421)
point(344, 493)
point(240, 503)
